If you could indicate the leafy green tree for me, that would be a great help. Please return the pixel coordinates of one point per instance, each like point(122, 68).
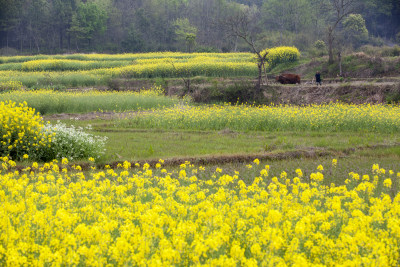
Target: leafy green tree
point(185, 32)
point(133, 41)
point(336, 13)
point(243, 25)
point(9, 19)
point(34, 23)
point(378, 14)
point(88, 21)
point(355, 30)
point(206, 16)
point(62, 11)
point(287, 16)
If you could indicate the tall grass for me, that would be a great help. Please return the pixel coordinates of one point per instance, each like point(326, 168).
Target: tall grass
point(50, 102)
point(327, 117)
point(58, 80)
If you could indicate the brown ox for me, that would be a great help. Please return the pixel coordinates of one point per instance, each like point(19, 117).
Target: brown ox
point(288, 78)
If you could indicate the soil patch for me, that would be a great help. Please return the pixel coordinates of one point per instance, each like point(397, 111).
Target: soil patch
point(90, 116)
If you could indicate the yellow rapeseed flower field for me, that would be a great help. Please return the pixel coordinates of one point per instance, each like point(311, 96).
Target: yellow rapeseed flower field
point(325, 117)
point(52, 215)
point(92, 69)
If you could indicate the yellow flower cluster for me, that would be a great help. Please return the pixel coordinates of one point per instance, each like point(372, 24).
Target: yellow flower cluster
point(46, 64)
point(119, 57)
point(10, 85)
point(20, 130)
point(281, 54)
point(68, 64)
point(235, 64)
point(324, 117)
point(153, 217)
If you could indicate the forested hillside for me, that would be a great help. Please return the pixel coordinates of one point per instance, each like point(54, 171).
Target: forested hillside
point(60, 26)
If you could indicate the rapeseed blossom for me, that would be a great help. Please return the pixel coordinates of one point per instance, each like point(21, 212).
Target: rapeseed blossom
point(94, 68)
point(146, 216)
point(333, 117)
point(22, 131)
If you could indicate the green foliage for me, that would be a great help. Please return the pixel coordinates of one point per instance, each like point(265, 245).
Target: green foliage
point(382, 51)
point(90, 19)
point(319, 49)
point(133, 42)
point(186, 32)
point(58, 26)
point(50, 102)
point(320, 45)
point(355, 29)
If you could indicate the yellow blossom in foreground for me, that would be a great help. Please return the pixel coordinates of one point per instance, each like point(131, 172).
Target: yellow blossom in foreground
point(145, 216)
point(334, 162)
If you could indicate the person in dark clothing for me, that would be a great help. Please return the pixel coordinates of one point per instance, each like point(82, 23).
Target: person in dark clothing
point(318, 78)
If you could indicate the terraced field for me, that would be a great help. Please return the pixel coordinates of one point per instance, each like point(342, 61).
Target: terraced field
point(141, 178)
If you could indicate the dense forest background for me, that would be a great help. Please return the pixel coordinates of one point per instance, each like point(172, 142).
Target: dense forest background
point(115, 26)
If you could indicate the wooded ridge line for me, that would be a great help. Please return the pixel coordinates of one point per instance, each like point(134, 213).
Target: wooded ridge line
point(118, 26)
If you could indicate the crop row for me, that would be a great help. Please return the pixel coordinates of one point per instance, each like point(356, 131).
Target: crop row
point(123, 57)
point(51, 102)
point(325, 117)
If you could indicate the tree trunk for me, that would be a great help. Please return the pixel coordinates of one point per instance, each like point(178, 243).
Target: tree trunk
point(236, 40)
point(61, 38)
point(258, 85)
point(265, 73)
point(330, 45)
point(340, 64)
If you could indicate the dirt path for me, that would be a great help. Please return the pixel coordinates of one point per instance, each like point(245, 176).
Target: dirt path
point(90, 116)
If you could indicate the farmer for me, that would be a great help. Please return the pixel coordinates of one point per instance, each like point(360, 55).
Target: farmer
point(318, 78)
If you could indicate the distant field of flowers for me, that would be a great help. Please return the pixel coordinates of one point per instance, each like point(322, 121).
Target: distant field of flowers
point(93, 69)
point(55, 215)
point(326, 117)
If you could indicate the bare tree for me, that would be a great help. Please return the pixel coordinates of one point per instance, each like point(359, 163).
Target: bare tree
point(340, 10)
point(244, 25)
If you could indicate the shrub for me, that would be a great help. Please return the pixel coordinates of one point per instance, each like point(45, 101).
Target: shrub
point(73, 143)
point(21, 131)
point(385, 51)
point(281, 54)
point(24, 135)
